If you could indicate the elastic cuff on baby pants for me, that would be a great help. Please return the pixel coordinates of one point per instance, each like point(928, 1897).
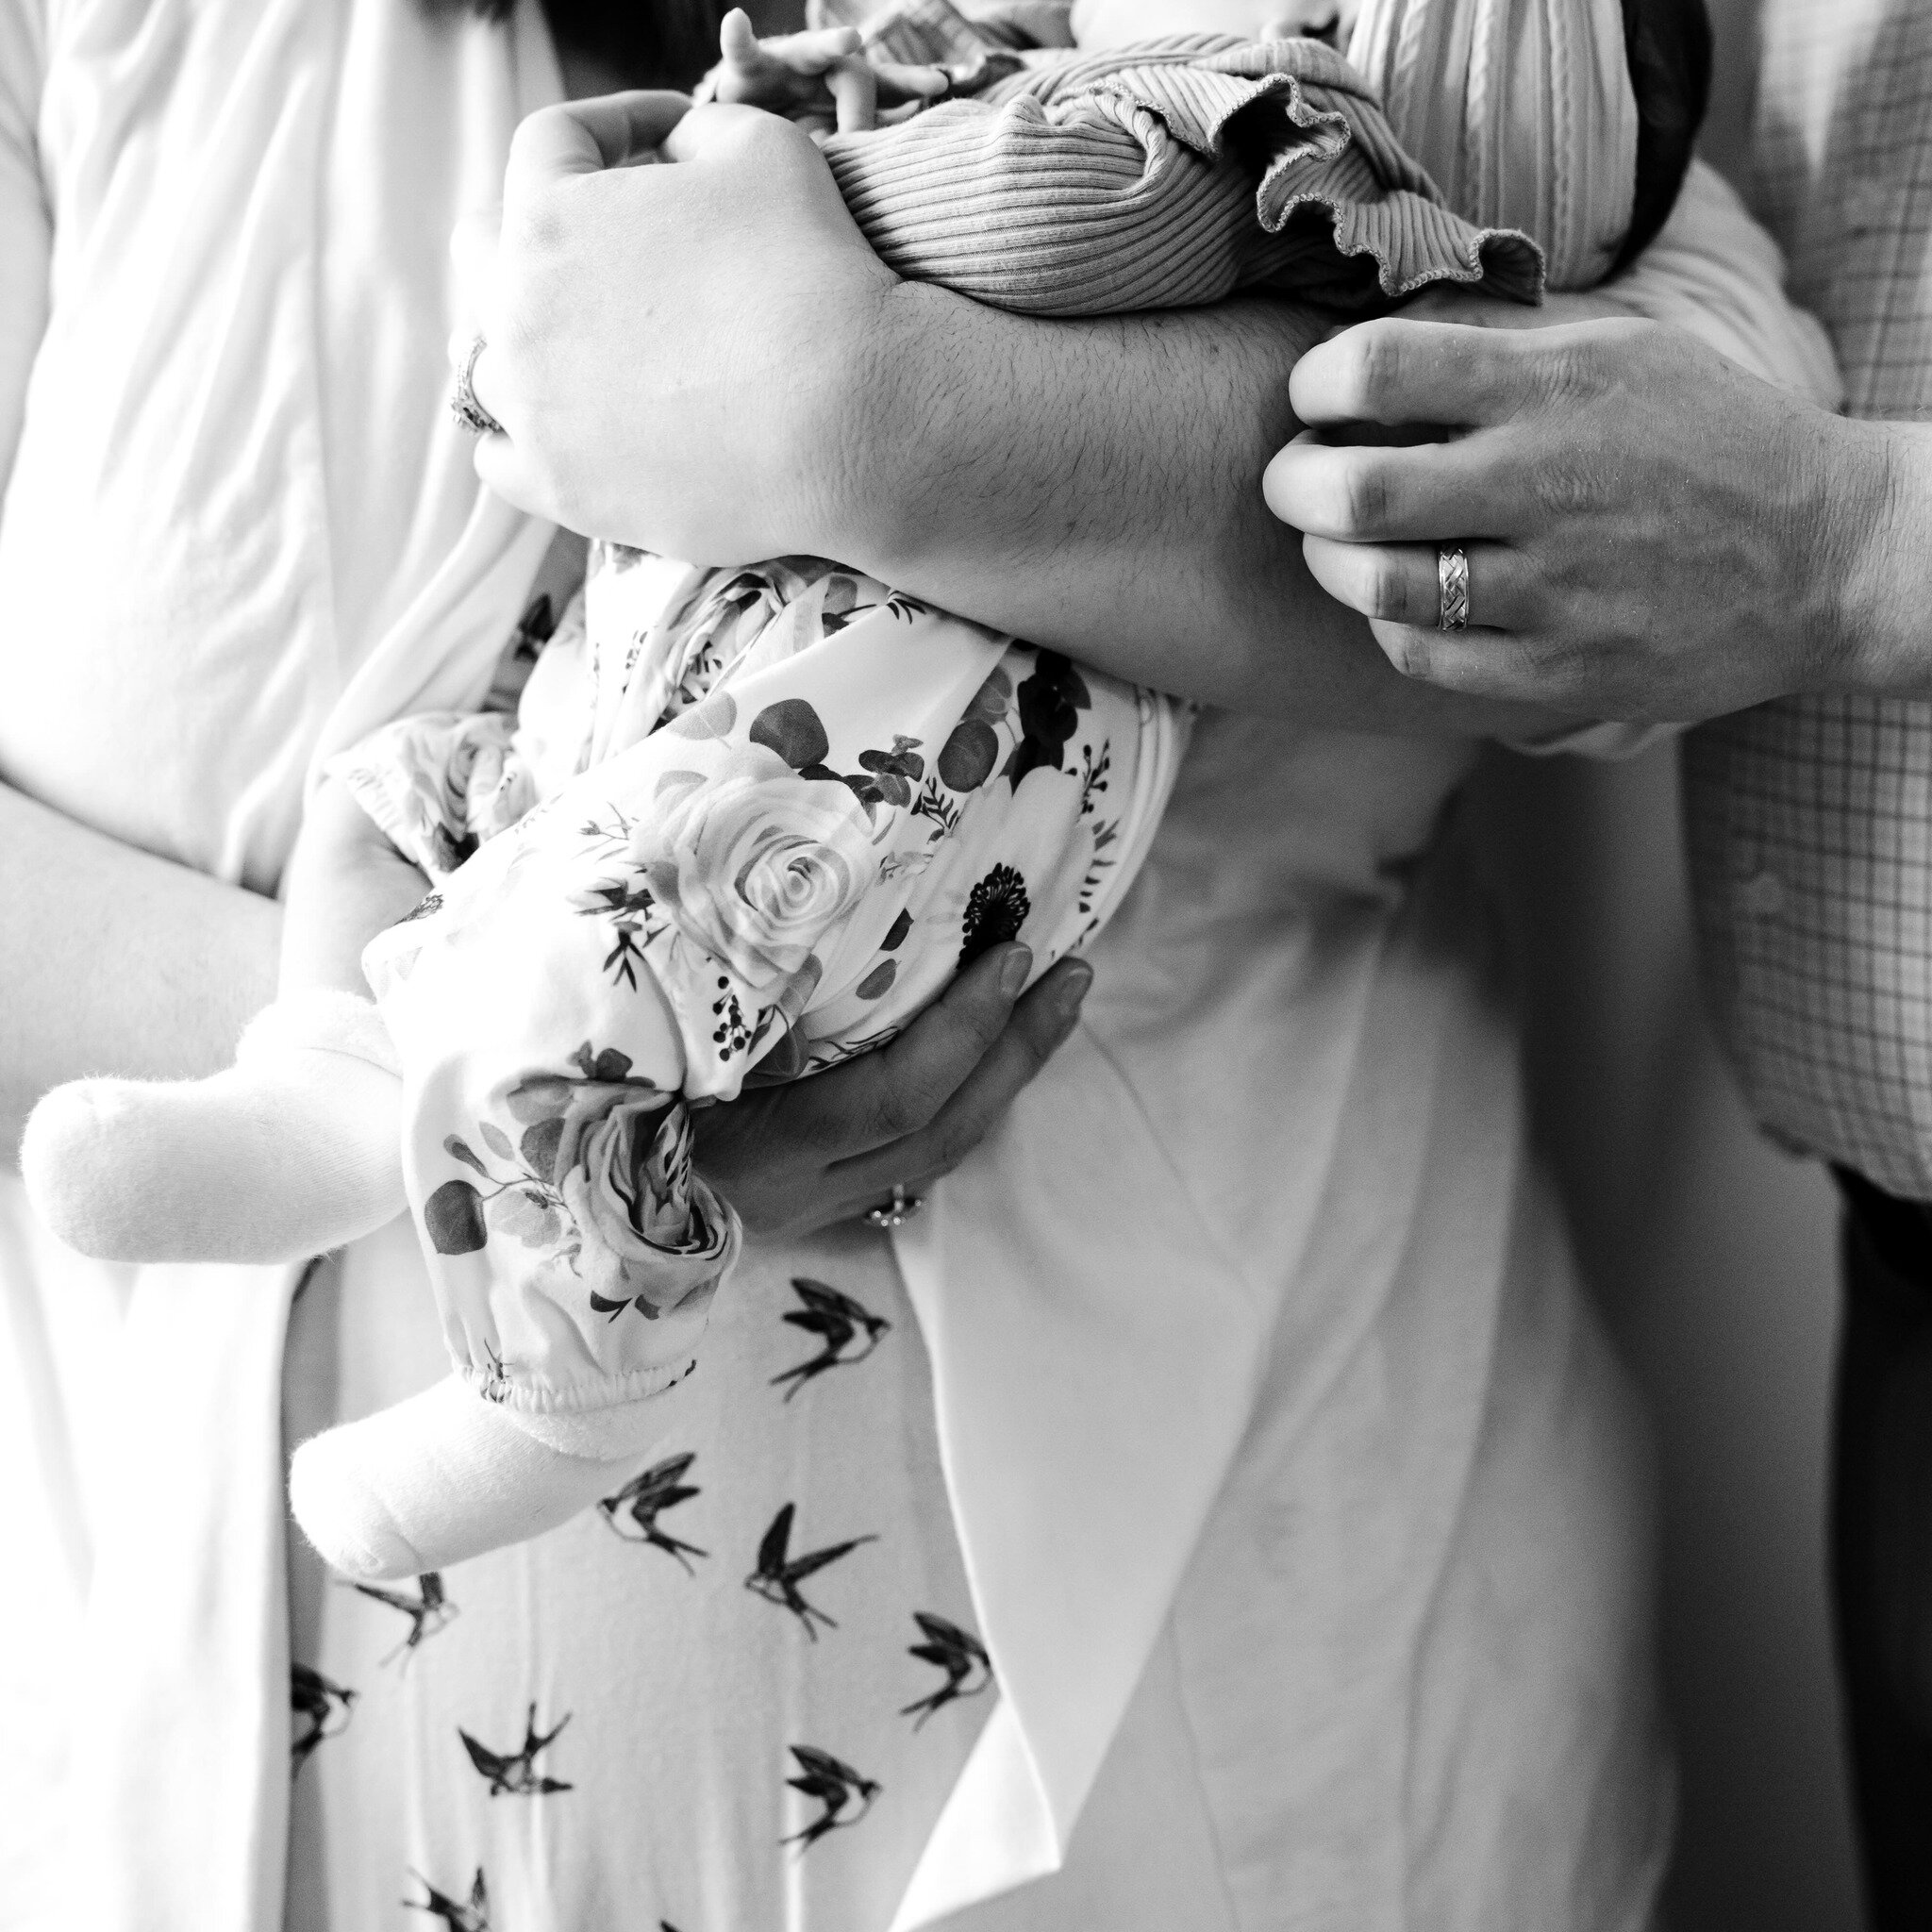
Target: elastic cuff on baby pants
point(322, 1021)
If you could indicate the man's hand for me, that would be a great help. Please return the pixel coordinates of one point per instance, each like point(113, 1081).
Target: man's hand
point(667, 344)
point(803, 1157)
point(1651, 532)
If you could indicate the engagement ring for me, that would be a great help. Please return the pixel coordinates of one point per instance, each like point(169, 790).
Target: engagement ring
point(463, 404)
point(901, 1209)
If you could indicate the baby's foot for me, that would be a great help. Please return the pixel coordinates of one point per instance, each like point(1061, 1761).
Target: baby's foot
point(293, 1150)
point(447, 1476)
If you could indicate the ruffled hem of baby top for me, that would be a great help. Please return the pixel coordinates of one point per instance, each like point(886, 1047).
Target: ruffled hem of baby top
point(1162, 176)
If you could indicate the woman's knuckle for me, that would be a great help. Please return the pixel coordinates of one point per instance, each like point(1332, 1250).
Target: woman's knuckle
point(898, 1112)
point(952, 1143)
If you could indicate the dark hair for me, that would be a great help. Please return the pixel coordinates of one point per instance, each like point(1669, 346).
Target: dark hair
point(1667, 43)
point(652, 42)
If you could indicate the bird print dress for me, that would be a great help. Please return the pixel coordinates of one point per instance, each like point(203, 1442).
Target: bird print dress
point(735, 1694)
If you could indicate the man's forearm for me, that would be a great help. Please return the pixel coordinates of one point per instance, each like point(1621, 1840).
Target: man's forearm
point(1096, 486)
point(115, 961)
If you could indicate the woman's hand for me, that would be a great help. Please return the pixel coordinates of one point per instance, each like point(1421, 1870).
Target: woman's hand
point(669, 348)
point(798, 1157)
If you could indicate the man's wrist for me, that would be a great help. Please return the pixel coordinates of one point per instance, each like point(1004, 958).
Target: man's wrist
point(868, 469)
point(1877, 563)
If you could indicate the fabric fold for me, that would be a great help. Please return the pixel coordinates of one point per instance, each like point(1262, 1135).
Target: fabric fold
point(1157, 176)
point(181, 1732)
point(1091, 1378)
point(1094, 1376)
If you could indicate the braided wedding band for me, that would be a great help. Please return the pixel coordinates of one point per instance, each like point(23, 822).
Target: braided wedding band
point(897, 1212)
point(463, 404)
point(1452, 576)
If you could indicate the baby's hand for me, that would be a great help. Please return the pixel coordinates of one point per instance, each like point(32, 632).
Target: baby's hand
point(801, 76)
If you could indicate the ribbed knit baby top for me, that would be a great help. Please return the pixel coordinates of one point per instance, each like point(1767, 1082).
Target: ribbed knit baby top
point(1160, 175)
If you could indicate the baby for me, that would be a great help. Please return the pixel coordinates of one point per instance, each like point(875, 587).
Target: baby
point(745, 823)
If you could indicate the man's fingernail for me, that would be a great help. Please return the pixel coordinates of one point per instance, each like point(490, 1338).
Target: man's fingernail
point(1013, 971)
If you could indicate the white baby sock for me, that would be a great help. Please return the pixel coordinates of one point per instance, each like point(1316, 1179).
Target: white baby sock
point(446, 1475)
point(293, 1150)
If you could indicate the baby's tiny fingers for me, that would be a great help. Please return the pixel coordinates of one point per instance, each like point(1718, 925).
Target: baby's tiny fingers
point(737, 40)
point(812, 53)
point(854, 90)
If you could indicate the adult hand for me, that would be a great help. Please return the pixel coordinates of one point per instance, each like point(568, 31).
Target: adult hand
point(802, 1157)
point(669, 348)
point(1650, 533)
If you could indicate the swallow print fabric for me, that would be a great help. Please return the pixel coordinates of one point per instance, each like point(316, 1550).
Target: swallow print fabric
point(743, 826)
point(735, 1696)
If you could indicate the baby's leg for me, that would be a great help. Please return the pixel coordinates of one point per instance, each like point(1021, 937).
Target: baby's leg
point(292, 1150)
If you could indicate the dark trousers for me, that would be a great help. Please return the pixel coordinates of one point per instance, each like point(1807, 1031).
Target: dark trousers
point(1881, 1545)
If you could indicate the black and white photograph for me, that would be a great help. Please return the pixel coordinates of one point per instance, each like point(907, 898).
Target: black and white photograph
point(966, 964)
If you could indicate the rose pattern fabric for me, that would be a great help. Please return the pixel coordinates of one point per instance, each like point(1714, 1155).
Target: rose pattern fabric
point(774, 810)
point(653, 1231)
point(755, 864)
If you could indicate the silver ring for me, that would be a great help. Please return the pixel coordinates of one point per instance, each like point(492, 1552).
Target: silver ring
point(463, 404)
point(1452, 578)
point(897, 1212)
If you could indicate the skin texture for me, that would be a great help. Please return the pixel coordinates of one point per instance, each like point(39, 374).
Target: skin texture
point(755, 382)
point(1651, 532)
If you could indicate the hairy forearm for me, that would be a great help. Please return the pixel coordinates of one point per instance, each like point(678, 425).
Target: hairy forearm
point(1096, 486)
point(115, 961)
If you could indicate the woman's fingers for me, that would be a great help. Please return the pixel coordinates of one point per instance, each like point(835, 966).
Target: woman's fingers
point(1401, 583)
point(1039, 1025)
point(881, 1097)
point(897, 1092)
point(909, 1112)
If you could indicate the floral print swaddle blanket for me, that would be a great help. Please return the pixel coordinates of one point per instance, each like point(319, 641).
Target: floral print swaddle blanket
point(744, 824)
